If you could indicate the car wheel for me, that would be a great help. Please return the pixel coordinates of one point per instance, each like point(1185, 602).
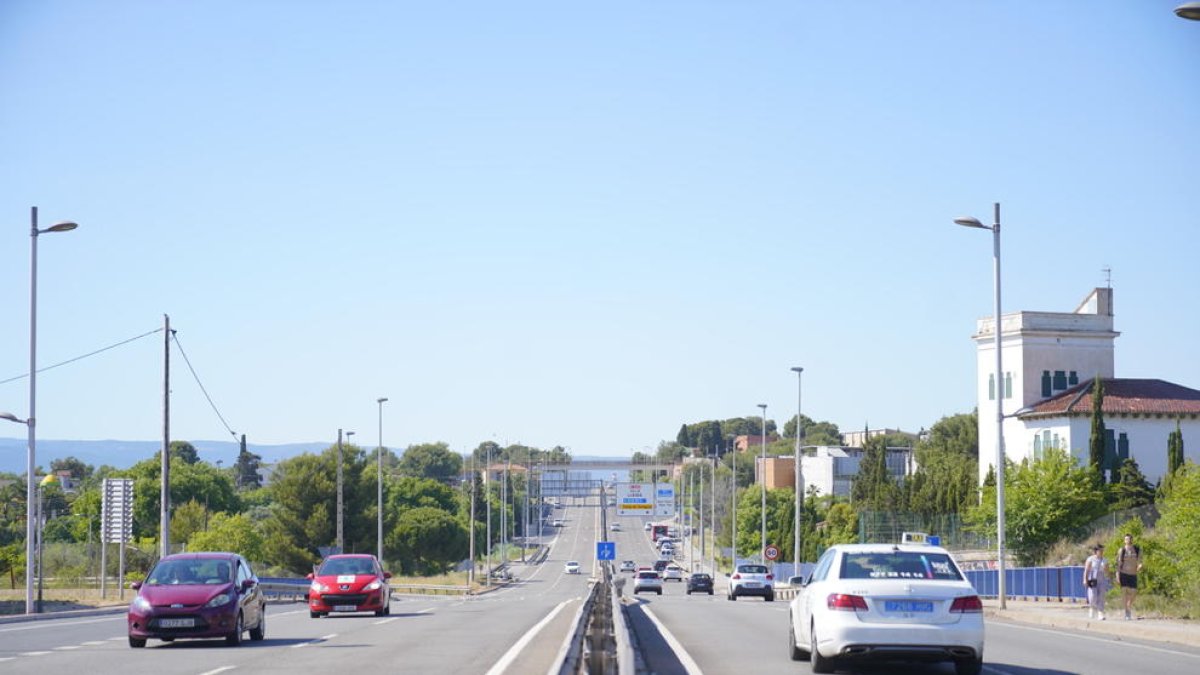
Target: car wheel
point(235, 638)
point(794, 652)
point(260, 631)
point(387, 609)
point(689, 591)
point(314, 615)
point(660, 591)
point(769, 597)
point(820, 664)
point(137, 643)
point(969, 666)
point(710, 592)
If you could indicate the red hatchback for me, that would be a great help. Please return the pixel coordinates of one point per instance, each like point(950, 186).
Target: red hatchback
point(198, 595)
point(349, 583)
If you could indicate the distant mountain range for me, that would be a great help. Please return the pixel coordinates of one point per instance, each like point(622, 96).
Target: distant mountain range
point(123, 454)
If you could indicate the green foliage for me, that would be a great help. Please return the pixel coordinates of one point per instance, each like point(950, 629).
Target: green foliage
point(76, 467)
point(873, 487)
point(744, 467)
point(184, 452)
point(409, 492)
point(1098, 432)
point(1175, 449)
point(814, 433)
point(947, 476)
point(245, 469)
point(187, 519)
point(431, 460)
point(1131, 489)
point(1045, 500)
point(236, 532)
point(684, 437)
point(1179, 528)
point(427, 541)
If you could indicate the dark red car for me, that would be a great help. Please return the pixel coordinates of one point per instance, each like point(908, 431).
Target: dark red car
point(351, 582)
point(198, 595)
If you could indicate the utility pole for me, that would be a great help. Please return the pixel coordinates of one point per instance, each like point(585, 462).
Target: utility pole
point(164, 523)
point(339, 492)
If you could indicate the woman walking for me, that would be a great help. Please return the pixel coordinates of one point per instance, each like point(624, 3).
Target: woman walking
point(1095, 578)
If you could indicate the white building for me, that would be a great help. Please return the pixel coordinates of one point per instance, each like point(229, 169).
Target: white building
point(1049, 361)
point(832, 469)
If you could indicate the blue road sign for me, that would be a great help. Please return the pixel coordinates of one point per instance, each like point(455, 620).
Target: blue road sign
point(606, 550)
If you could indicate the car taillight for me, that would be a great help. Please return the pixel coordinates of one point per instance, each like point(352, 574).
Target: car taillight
point(770, 577)
point(967, 604)
point(737, 576)
point(849, 603)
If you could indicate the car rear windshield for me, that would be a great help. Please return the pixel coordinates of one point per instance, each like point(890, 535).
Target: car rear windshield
point(899, 565)
point(752, 569)
point(647, 575)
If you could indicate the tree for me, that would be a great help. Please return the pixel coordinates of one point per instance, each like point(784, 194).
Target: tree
point(187, 519)
point(683, 437)
point(873, 488)
point(184, 452)
point(1179, 527)
point(74, 466)
point(947, 475)
point(1099, 435)
point(236, 532)
point(1131, 489)
point(1046, 500)
point(427, 541)
point(1175, 449)
point(245, 470)
point(431, 460)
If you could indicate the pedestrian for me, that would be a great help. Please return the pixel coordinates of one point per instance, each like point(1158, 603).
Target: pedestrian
point(1129, 565)
point(1095, 578)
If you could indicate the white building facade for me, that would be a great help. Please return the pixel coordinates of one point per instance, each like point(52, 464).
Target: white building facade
point(1050, 361)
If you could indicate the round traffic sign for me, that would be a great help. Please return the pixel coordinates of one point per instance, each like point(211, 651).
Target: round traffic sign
point(771, 552)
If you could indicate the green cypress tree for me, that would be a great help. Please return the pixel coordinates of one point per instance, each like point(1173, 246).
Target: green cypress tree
point(1096, 441)
point(1175, 449)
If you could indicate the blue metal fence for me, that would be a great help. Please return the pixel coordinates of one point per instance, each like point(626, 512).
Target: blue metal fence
point(1051, 583)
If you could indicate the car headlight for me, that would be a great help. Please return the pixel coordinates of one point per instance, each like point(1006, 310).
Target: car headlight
point(141, 604)
point(218, 601)
point(318, 587)
point(374, 585)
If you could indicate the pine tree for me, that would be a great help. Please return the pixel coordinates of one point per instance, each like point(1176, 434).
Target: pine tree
point(1175, 449)
point(1099, 433)
point(1131, 489)
point(684, 438)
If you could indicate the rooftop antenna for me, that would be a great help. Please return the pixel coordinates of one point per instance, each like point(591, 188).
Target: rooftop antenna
point(1107, 276)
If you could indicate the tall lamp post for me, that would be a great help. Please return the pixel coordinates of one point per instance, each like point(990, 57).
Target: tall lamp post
point(799, 477)
point(762, 480)
point(379, 484)
point(967, 221)
point(31, 456)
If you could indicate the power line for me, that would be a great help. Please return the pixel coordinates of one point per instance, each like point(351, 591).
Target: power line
point(77, 358)
point(175, 337)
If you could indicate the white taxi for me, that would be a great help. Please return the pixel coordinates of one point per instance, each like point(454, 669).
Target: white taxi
point(886, 602)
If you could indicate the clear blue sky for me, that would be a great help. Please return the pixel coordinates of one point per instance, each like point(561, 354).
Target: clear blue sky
point(578, 223)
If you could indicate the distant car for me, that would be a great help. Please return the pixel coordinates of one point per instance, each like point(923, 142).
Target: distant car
point(700, 583)
point(198, 595)
point(351, 582)
point(886, 601)
point(572, 567)
point(748, 579)
point(647, 527)
point(628, 566)
point(660, 565)
point(558, 522)
point(673, 572)
point(615, 527)
point(648, 581)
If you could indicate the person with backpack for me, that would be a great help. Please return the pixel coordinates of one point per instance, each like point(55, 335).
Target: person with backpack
point(1129, 564)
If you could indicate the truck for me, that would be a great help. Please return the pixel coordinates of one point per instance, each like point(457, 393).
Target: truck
point(657, 531)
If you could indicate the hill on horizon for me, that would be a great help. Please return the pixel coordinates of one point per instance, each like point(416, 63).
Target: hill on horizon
point(124, 454)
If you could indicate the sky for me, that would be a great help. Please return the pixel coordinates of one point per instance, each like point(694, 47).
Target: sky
point(576, 223)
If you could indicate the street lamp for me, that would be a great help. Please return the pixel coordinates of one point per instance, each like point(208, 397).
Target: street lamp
point(379, 483)
point(799, 478)
point(31, 456)
point(762, 479)
point(967, 221)
point(1188, 10)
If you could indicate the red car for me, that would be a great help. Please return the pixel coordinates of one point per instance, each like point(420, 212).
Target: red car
point(198, 595)
point(349, 583)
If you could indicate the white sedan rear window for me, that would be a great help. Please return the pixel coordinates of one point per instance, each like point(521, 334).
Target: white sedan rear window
point(899, 565)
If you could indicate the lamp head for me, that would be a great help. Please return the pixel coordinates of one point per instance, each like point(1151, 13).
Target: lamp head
point(1188, 10)
point(797, 369)
point(968, 221)
point(12, 418)
point(381, 400)
point(65, 226)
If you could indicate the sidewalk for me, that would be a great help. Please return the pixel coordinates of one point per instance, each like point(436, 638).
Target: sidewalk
point(1075, 616)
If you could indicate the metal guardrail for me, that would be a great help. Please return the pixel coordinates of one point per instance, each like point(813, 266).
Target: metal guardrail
point(1049, 583)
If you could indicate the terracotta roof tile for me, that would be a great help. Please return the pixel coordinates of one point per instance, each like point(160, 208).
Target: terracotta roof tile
point(1121, 396)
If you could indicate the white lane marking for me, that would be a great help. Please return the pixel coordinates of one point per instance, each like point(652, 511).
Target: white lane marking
point(51, 624)
point(394, 618)
point(218, 670)
point(685, 659)
point(316, 641)
point(511, 655)
point(34, 653)
point(1123, 641)
point(297, 611)
point(65, 648)
point(93, 643)
point(6, 658)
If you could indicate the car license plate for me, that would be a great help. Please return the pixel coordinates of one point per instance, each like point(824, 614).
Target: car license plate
point(345, 608)
point(176, 623)
point(907, 606)
point(751, 584)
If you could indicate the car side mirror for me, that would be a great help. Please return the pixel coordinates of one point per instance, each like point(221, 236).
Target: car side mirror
point(387, 575)
point(309, 576)
point(247, 584)
point(135, 585)
point(727, 575)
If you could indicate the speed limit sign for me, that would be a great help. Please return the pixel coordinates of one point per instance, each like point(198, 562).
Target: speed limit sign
point(771, 552)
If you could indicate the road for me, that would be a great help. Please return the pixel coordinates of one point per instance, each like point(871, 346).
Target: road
point(518, 629)
point(521, 629)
